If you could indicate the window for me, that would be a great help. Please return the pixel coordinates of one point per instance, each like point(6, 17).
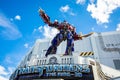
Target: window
point(42, 62)
point(38, 62)
point(68, 61)
point(62, 60)
point(65, 61)
point(29, 56)
point(45, 61)
point(117, 63)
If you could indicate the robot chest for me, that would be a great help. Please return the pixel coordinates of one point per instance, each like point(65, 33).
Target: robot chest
point(64, 28)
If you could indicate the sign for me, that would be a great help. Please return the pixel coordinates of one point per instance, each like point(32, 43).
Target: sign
point(55, 70)
point(53, 60)
point(113, 45)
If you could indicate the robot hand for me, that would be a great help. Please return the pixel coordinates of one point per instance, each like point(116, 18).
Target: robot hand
point(80, 36)
point(44, 16)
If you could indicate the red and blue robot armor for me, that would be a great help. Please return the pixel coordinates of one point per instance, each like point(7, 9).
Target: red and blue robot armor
point(66, 32)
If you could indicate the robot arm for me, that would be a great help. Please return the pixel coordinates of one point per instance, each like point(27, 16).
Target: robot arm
point(46, 18)
point(77, 37)
point(80, 37)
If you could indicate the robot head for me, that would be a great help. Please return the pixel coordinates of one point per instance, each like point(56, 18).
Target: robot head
point(65, 21)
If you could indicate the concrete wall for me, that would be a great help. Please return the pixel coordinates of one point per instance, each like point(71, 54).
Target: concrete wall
point(106, 48)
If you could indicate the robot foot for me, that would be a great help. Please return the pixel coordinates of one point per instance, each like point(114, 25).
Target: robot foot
point(65, 54)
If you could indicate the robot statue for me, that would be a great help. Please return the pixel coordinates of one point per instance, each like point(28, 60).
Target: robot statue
point(66, 32)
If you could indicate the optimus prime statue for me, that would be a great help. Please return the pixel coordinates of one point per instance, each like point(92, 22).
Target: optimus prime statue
point(67, 32)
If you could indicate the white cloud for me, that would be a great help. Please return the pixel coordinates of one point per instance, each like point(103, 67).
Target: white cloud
point(11, 70)
point(118, 27)
point(73, 14)
point(105, 26)
point(8, 60)
point(9, 30)
point(40, 29)
point(92, 1)
point(18, 17)
point(92, 28)
point(102, 10)
point(34, 30)
point(80, 1)
point(67, 9)
point(3, 78)
point(64, 8)
point(49, 32)
point(3, 73)
point(26, 45)
point(11, 19)
point(46, 31)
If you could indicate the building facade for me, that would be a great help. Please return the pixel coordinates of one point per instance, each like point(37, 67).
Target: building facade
point(101, 47)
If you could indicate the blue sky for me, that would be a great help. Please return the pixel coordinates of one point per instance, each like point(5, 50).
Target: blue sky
point(20, 24)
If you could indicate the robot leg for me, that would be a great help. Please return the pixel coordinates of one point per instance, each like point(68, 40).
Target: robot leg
point(49, 51)
point(70, 44)
point(53, 48)
point(69, 47)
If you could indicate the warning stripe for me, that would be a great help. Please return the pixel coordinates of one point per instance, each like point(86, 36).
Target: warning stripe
point(81, 53)
point(86, 53)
